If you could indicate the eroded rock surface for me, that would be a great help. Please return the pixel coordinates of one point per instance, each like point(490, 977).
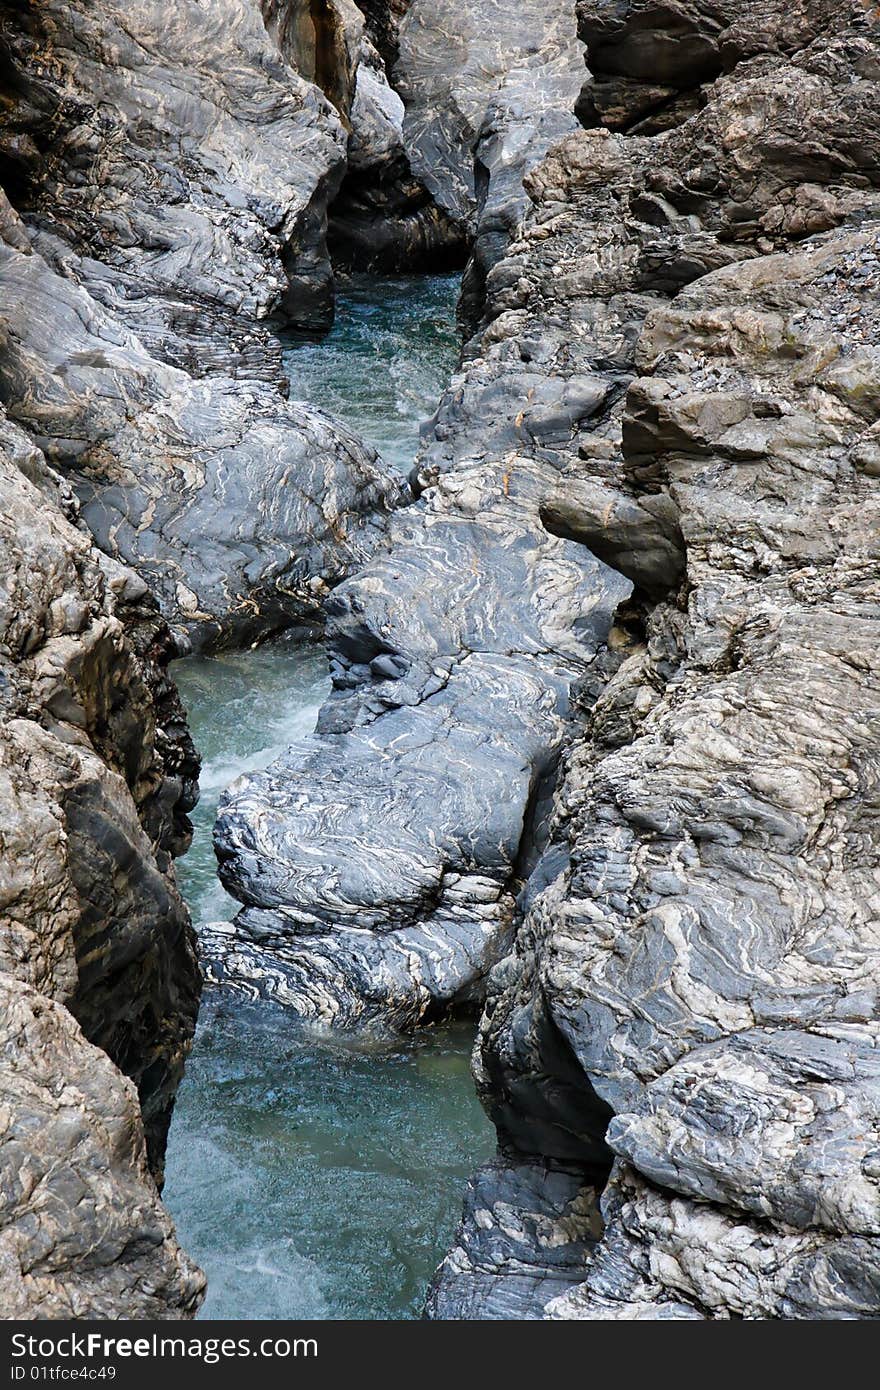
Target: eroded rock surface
point(97, 963)
point(176, 167)
point(487, 88)
point(694, 982)
point(83, 1233)
point(523, 1242)
point(401, 833)
point(238, 508)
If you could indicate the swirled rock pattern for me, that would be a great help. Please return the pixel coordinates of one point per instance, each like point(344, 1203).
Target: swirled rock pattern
point(695, 977)
point(523, 1242)
point(176, 167)
point(83, 1233)
point(402, 831)
point(487, 88)
point(97, 773)
point(238, 508)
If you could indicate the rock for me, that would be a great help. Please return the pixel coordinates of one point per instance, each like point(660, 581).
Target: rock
point(384, 218)
point(97, 964)
point(97, 790)
point(383, 20)
point(672, 1259)
point(83, 1233)
point(525, 1236)
point(641, 539)
point(131, 146)
point(418, 809)
point(649, 61)
point(487, 90)
point(694, 957)
point(239, 509)
point(321, 42)
point(455, 59)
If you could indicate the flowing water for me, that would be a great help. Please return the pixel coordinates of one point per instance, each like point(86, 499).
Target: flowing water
point(385, 363)
point(316, 1179)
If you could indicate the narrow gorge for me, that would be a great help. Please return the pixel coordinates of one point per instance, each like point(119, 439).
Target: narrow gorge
point(440, 448)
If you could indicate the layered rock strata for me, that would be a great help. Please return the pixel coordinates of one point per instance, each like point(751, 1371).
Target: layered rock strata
point(379, 860)
point(176, 167)
point(487, 88)
point(239, 509)
point(695, 977)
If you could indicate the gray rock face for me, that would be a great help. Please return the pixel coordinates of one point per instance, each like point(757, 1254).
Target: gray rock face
point(437, 156)
point(239, 509)
point(697, 956)
point(488, 88)
point(384, 218)
point(402, 832)
point(642, 539)
point(83, 1233)
point(133, 306)
point(456, 61)
point(183, 167)
point(650, 62)
point(522, 1244)
point(96, 776)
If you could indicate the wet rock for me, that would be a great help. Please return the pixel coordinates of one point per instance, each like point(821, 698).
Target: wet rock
point(694, 972)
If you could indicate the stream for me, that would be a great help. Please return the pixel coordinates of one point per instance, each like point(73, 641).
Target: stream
point(318, 1179)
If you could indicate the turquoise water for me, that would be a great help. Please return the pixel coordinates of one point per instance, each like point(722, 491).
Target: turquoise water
point(386, 361)
point(313, 1179)
point(319, 1181)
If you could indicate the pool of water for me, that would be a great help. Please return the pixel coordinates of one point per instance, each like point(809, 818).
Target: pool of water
point(316, 1181)
point(309, 1178)
point(385, 363)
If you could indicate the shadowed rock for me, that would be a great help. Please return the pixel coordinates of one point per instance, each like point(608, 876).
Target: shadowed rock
point(642, 539)
point(83, 1233)
point(239, 509)
point(97, 773)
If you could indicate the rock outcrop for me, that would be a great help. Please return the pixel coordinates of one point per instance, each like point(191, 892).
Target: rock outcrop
point(384, 218)
point(379, 861)
point(239, 510)
point(98, 974)
point(451, 104)
point(83, 1233)
point(695, 978)
point(163, 225)
point(176, 167)
point(488, 88)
